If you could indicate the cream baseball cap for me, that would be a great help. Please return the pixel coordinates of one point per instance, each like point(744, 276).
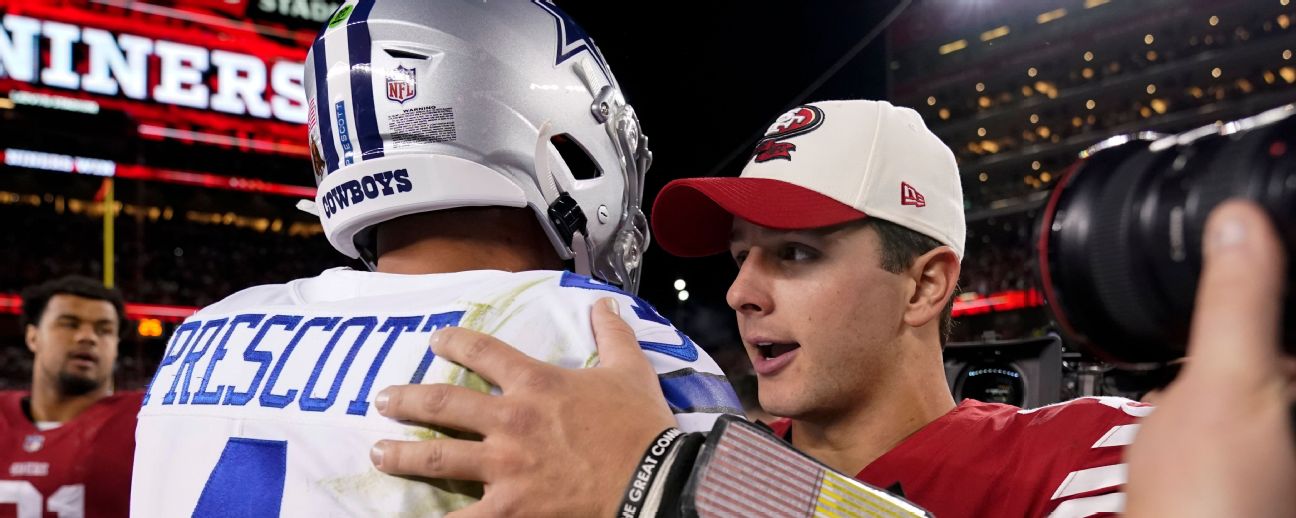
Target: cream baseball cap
point(818, 165)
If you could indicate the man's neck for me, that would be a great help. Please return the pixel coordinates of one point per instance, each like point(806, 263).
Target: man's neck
point(850, 439)
point(433, 255)
point(477, 238)
point(50, 406)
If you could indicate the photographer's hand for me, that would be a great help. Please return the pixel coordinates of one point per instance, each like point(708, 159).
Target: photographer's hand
point(1221, 442)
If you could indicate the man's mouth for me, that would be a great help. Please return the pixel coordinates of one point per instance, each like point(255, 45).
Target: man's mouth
point(770, 350)
point(85, 357)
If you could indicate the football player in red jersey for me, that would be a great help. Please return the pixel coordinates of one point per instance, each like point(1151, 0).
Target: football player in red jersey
point(66, 446)
point(847, 227)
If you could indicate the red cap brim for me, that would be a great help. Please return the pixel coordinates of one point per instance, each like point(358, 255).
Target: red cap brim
point(693, 217)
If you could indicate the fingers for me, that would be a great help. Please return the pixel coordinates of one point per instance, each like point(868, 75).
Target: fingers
point(1237, 319)
point(494, 360)
point(450, 406)
point(617, 344)
point(437, 458)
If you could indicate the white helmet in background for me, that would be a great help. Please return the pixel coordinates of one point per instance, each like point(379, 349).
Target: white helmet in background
point(417, 106)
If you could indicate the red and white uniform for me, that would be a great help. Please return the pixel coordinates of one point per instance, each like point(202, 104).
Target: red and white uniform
point(993, 460)
point(82, 468)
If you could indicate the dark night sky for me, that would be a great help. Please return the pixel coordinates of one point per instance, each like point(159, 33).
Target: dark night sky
point(706, 78)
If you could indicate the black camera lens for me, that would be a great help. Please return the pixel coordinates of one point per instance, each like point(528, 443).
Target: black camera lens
point(1119, 248)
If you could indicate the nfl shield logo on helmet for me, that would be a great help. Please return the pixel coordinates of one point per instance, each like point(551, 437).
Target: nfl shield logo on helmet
point(400, 85)
point(33, 443)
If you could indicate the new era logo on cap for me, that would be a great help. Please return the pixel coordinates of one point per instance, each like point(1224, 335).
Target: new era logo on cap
point(911, 196)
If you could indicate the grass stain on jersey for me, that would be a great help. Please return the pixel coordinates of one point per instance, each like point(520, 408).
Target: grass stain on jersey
point(489, 317)
point(412, 496)
point(483, 317)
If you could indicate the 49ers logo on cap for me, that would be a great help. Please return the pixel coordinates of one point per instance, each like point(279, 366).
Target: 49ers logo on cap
point(797, 121)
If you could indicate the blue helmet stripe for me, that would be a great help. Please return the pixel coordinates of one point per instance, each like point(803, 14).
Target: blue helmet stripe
point(359, 46)
point(323, 113)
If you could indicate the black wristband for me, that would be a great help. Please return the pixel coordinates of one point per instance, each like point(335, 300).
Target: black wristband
point(648, 469)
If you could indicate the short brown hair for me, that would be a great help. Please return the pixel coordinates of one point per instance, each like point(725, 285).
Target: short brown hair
point(36, 298)
point(900, 247)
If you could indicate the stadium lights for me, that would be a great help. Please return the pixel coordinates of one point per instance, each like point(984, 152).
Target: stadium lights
point(150, 327)
point(1090, 4)
point(997, 32)
point(1044, 18)
point(953, 46)
point(212, 138)
point(99, 167)
point(680, 284)
point(53, 102)
point(683, 295)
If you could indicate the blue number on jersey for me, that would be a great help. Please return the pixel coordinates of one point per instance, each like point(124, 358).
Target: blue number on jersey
point(248, 480)
point(685, 350)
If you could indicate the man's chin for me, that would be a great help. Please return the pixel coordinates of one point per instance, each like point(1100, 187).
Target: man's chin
point(781, 403)
point(71, 384)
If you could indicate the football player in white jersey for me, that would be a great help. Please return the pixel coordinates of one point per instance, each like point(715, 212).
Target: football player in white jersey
point(466, 151)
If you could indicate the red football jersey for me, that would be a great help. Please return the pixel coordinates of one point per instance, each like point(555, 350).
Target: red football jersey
point(82, 468)
point(992, 460)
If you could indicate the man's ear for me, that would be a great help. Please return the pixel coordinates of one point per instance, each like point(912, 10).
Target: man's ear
point(935, 275)
point(31, 338)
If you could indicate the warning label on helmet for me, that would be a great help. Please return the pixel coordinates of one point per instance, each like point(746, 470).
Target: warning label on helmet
point(424, 125)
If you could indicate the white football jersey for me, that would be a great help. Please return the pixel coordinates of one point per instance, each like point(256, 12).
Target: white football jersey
point(262, 404)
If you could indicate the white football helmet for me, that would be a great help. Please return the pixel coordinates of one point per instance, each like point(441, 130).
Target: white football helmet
point(418, 106)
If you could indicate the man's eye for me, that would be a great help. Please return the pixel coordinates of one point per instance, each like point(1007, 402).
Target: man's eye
point(797, 252)
point(740, 257)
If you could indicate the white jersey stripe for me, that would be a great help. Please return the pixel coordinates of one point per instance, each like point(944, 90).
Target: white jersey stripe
point(1084, 507)
point(1092, 479)
point(1122, 435)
